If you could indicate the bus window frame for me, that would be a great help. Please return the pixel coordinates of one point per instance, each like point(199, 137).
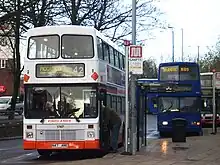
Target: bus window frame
point(93, 46)
point(28, 49)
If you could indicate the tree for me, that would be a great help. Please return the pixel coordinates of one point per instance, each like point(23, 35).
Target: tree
point(211, 60)
point(150, 69)
point(22, 16)
point(111, 16)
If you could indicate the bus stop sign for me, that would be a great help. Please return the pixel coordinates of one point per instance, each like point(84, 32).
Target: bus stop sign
point(135, 59)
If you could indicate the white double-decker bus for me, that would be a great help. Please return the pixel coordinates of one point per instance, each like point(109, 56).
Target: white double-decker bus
point(70, 71)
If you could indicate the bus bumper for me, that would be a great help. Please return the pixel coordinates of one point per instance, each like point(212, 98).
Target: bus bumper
point(193, 129)
point(61, 145)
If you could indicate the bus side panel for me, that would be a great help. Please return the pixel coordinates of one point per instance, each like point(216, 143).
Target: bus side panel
point(191, 118)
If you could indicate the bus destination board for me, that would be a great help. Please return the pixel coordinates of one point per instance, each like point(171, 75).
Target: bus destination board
point(75, 70)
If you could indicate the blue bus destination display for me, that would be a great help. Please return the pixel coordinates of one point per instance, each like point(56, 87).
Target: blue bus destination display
point(60, 70)
point(177, 73)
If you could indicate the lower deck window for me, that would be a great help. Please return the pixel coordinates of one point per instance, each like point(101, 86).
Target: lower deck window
point(60, 102)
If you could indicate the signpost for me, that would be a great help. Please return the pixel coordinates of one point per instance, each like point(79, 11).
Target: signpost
point(134, 66)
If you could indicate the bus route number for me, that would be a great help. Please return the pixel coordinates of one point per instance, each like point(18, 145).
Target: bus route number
point(184, 69)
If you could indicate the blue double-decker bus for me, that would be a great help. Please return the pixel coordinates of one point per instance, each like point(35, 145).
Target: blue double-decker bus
point(151, 97)
point(179, 96)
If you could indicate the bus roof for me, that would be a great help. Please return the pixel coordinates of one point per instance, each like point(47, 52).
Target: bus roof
point(177, 63)
point(145, 80)
point(148, 79)
point(206, 74)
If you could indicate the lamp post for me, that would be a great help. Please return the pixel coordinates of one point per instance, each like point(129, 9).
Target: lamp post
point(182, 45)
point(172, 42)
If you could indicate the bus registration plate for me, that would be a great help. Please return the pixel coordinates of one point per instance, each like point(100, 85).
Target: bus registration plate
point(59, 145)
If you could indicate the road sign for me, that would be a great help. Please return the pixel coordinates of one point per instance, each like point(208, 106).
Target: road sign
point(217, 79)
point(135, 59)
point(127, 43)
point(2, 89)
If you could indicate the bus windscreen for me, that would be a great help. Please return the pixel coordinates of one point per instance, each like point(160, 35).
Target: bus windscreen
point(179, 73)
point(179, 104)
point(56, 101)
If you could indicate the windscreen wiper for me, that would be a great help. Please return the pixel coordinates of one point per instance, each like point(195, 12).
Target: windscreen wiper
point(42, 120)
point(74, 115)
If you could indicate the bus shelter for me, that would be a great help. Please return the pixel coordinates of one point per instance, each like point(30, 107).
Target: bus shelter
point(142, 89)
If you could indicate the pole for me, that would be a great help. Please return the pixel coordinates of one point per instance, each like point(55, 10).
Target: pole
point(134, 22)
point(133, 87)
point(127, 141)
point(173, 45)
point(198, 55)
point(213, 103)
point(133, 116)
point(182, 45)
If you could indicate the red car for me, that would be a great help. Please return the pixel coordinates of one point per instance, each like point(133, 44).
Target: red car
point(207, 118)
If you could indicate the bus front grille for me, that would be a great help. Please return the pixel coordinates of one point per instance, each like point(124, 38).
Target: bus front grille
point(63, 135)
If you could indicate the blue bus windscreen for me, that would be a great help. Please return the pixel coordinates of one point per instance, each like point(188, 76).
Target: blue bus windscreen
point(179, 73)
point(179, 104)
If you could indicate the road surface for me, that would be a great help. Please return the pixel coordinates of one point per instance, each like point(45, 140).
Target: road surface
point(11, 151)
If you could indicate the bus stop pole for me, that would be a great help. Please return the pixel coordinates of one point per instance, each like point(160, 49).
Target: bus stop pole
point(214, 130)
point(127, 139)
point(133, 115)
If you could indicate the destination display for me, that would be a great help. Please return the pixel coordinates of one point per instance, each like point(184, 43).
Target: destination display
point(60, 70)
point(176, 69)
point(170, 69)
point(176, 73)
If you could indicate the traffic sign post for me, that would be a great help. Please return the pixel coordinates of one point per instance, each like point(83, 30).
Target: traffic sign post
point(127, 129)
point(134, 66)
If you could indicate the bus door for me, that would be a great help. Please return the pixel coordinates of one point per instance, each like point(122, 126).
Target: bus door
point(104, 133)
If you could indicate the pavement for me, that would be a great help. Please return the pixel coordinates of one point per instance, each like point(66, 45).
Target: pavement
point(198, 150)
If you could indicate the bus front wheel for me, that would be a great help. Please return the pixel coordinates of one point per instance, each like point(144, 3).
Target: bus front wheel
point(44, 152)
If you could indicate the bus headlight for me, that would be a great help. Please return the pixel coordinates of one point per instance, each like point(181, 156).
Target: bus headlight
point(164, 123)
point(90, 134)
point(29, 134)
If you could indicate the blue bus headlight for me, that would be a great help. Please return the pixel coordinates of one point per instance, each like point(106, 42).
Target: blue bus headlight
point(164, 123)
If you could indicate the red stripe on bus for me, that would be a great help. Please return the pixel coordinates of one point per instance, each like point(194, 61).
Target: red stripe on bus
point(70, 145)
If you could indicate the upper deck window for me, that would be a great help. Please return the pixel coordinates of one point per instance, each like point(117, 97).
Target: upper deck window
point(77, 46)
point(179, 73)
point(43, 47)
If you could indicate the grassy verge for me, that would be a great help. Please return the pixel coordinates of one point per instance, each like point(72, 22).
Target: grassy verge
point(11, 128)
